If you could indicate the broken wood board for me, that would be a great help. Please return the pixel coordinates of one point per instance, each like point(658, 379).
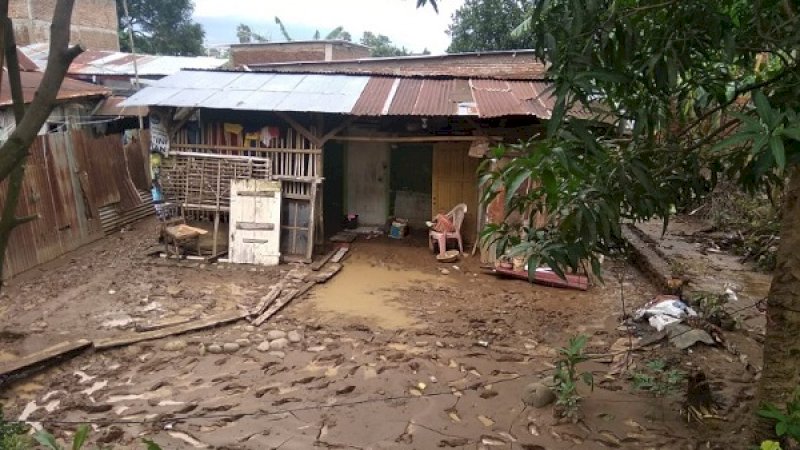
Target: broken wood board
point(267, 300)
point(321, 262)
point(132, 338)
point(9, 367)
point(340, 254)
point(283, 301)
point(151, 326)
point(325, 274)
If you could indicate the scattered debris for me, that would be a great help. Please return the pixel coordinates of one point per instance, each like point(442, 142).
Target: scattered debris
point(8, 368)
point(683, 336)
point(538, 395)
point(664, 310)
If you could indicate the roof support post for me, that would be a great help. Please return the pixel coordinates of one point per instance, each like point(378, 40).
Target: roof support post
point(300, 128)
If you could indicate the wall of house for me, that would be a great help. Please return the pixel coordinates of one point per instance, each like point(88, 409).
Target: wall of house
point(64, 117)
point(275, 52)
point(94, 22)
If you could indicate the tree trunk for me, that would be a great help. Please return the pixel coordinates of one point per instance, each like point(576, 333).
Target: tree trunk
point(781, 373)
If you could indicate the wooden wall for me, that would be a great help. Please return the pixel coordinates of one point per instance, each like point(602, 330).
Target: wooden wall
point(455, 181)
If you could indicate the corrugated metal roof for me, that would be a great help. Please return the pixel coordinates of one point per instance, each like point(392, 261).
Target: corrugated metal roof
point(112, 106)
point(349, 94)
point(70, 89)
point(98, 62)
point(244, 91)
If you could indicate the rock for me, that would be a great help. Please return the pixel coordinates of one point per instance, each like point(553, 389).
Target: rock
point(538, 395)
point(275, 334)
point(243, 342)
point(316, 348)
point(230, 347)
point(249, 328)
point(214, 348)
point(263, 347)
point(278, 344)
point(444, 271)
point(294, 336)
point(684, 336)
point(201, 349)
point(174, 346)
point(278, 354)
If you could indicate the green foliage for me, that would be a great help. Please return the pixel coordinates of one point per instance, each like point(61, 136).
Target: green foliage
point(246, 35)
point(770, 445)
point(13, 435)
point(339, 33)
point(566, 376)
point(151, 445)
point(481, 25)
point(49, 442)
point(658, 379)
point(654, 101)
point(787, 420)
point(161, 27)
point(285, 33)
point(381, 45)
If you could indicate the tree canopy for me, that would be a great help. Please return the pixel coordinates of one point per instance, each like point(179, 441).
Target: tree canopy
point(245, 34)
point(654, 101)
point(481, 25)
point(161, 27)
point(381, 45)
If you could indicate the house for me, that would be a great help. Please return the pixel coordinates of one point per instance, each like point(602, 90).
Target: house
point(94, 22)
point(403, 137)
point(76, 100)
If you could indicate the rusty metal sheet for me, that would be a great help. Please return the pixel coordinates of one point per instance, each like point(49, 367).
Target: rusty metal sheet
point(406, 97)
point(494, 99)
point(434, 98)
point(373, 98)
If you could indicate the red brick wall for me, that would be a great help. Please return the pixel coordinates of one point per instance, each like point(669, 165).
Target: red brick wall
point(293, 51)
point(94, 22)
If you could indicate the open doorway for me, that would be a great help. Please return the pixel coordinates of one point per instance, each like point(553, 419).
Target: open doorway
point(411, 168)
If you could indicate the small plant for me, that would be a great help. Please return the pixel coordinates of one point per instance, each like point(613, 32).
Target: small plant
point(770, 445)
point(13, 435)
point(658, 379)
point(566, 377)
point(787, 421)
point(711, 307)
point(49, 442)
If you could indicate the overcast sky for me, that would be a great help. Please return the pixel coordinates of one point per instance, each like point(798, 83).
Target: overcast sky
point(416, 29)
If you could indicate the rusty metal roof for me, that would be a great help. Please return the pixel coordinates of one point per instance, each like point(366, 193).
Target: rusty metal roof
point(112, 107)
point(501, 65)
point(357, 95)
point(70, 89)
point(99, 62)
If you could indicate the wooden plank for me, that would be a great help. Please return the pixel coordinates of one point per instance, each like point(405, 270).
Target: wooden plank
point(132, 338)
point(9, 367)
point(267, 300)
point(327, 273)
point(283, 301)
point(150, 326)
point(412, 138)
point(340, 254)
point(270, 194)
point(255, 226)
point(321, 262)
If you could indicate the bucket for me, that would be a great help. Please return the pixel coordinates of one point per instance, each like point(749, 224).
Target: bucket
point(398, 230)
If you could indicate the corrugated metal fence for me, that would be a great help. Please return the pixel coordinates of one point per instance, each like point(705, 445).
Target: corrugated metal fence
point(81, 187)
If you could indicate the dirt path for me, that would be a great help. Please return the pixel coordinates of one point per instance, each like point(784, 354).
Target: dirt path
point(391, 354)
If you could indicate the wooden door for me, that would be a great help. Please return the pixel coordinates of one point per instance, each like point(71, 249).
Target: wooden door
point(367, 181)
point(455, 181)
point(255, 222)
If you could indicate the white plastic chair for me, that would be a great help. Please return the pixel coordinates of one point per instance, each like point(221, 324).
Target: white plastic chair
point(457, 216)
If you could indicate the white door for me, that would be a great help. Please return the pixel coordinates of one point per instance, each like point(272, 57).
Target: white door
point(367, 181)
point(255, 222)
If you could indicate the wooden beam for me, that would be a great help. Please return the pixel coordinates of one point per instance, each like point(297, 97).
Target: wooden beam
point(299, 127)
point(321, 262)
point(335, 131)
point(133, 338)
point(283, 301)
point(34, 359)
point(413, 138)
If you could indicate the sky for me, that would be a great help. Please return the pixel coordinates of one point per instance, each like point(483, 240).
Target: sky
point(400, 20)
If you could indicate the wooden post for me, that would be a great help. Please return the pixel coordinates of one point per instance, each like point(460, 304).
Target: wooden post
point(216, 210)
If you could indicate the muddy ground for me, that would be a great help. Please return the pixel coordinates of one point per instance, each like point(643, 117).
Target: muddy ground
point(390, 353)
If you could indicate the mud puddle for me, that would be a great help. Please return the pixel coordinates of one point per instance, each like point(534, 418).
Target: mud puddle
point(364, 290)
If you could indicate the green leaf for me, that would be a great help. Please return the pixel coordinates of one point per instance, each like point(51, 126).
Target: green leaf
point(763, 108)
point(770, 445)
point(778, 152)
point(533, 264)
point(792, 133)
point(780, 428)
point(733, 140)
point(47, 440)
point(151, 445)
point(80, 437)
